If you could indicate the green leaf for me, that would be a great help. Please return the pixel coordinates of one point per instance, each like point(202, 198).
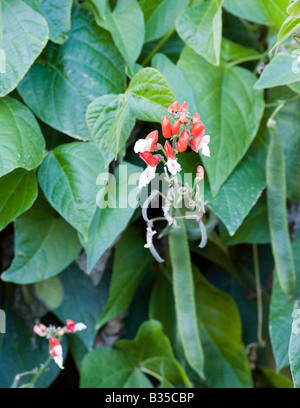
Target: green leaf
point(18, 191)
point(130, 262)
point(232, 51)
point(200, 27)
point(294, 8)
point(57, 13)
point(268, 378)
point(276, 198)
point(282, 70)
point(145, 354)
point(99, 7)
point(68, 178)
point(23, 35)
point(290, 25)
point(176, 80)
point(149, 95)
point(294, 349)
point(82, 302)
point(109, 222)
point(87, 66)
point(110, 121)
point(17, 351)
point(126, 25)
point(223, 96)
point(271, 12)
point(185, 302)
point(160, 16)
point(44, 245)
point(280, 319)
point(220, 327)
point(21, 141)
point(254, 229)
point(50, 292)
point(238, 195)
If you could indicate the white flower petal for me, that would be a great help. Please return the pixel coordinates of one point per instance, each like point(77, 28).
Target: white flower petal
point(80, 327)
point(204, 145)
point(205, 151)
point(147, 175)
point(59, 361)
point(142, 145)
point(173, 166)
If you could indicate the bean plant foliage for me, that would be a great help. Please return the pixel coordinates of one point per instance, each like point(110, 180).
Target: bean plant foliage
point(106, 280)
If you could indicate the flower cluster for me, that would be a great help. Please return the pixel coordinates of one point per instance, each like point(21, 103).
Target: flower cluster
point(54, 334)
point(186, 131)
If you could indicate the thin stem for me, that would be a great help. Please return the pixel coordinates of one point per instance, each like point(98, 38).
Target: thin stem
point(282, 104)
point(41, 370)
point(158, 46)
point(246, 59)
point(260, 339)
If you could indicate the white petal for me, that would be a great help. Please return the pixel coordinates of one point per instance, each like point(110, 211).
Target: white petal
point(59, 361)
point(147, 175)
point(79, 327)
point(58, 350)
point(206, 139)
point(205, 151)
point(142, 145)
point(173, 166)
point(204, 145)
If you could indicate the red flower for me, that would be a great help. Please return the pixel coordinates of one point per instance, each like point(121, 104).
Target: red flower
point(176, 127)
point(183, 141)
point(195, 143)
point(149, 159)
point(174, 107)
point(169, 151)
point(166, 127)
point(197, 129)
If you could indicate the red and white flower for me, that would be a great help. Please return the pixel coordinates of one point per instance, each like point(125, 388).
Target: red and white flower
point(149, 173)
point(148, 144)
point(201, 142)
point(56, 352)
point(172, 163)
point(73, 327)
point(40, 330)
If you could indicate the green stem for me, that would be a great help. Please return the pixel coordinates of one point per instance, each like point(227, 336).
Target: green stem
point(41, 370)
point(282, 104)
point(158, 46)
point(246, 59)
point(260, 339)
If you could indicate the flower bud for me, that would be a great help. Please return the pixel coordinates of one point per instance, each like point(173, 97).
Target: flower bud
point(200, 173)
point(184, 107)
point(169, 151)
point(176, 127)
point(196, 118)
point(183, 141)
point(166, 127)
point(183, 117)
point(174, 107)
point(197, 129)
point(149, 159)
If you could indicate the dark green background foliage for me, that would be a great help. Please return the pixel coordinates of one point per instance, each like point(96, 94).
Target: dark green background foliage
point(84, 80)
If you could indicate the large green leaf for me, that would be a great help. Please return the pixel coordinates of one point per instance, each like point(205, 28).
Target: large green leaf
point(200, 27)
point(130, 262)
point(149, 95)
point(270, 12)
point(111, 118)
point(110, 121)
point(86, 66)
point(82, 302)
point(109, 222)
point(19, 352)
point(68, 178)
point(230, 109)
point(277, 212)
point(18, 191)
point(281, 319)
point(160, 16)
point(238, 195)
point(283, 69)
point(57, 13)
point(106, 368)
point(176, 80)
point(44, 245)
point(221, 335)
point(21, 141)
point(290, 25)
point(294, 348)
point(185, 302)
point(23, 35)
point(126, 25)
